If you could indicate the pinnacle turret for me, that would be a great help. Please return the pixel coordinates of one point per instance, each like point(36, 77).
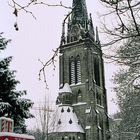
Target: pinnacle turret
point(80, 25)
point(97, 36)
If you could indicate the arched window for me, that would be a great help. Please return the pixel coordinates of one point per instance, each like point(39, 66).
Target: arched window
point(78, 70)
point(79, 96)
point(75, 70)
point(72, 70)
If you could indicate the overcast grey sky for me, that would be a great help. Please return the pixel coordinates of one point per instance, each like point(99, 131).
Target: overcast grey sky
point(35, 40)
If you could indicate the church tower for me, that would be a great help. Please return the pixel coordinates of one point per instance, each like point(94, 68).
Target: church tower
point(82, 100)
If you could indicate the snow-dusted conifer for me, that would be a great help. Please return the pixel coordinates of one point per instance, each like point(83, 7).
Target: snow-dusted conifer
point(12, 104)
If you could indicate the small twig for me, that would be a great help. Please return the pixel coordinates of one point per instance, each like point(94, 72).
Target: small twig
point(19, 7)
point(52, 59)
point(133, 17)
point(53, 5)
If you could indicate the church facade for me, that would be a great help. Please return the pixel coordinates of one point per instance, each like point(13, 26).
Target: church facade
point(82, 99)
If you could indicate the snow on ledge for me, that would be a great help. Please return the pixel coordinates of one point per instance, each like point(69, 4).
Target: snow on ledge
point(88, 127)
point(4, 118)
point(80, 103)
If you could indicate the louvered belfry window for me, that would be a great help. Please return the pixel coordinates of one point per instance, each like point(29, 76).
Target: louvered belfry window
point(72, 71)
point(78, 70)
point(75, 70)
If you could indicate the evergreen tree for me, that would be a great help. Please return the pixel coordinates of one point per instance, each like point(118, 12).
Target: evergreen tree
point(127, 82)
point(12, 104)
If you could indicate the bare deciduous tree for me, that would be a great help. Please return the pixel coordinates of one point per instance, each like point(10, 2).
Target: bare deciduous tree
point(44, 118)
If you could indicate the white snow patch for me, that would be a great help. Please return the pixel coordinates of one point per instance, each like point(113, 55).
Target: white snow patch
point(60, 54)
point(99, 127)
point(88, 127)
point(78, 83)
point(88, 110)
point(66, 89)
point(79, 103)
point(97, 111)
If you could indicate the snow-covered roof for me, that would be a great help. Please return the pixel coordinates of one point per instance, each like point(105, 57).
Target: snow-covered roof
point(25, 136)
point(8, 119)
point(66, 121)
point(66, 88)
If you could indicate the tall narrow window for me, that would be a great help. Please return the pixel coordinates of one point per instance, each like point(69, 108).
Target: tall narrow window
point(79, 97)
point(97, 72)
point(72, 71)
point(78, 70)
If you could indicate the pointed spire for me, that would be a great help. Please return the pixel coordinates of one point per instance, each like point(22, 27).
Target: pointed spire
point(79, 14)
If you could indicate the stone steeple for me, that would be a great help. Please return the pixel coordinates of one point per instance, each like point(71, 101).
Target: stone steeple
point(82, 99)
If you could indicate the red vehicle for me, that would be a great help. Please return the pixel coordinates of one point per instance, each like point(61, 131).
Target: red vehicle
point(14, 136)
point(6, 131)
